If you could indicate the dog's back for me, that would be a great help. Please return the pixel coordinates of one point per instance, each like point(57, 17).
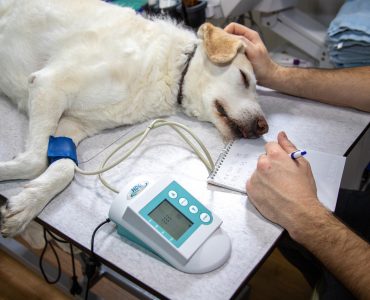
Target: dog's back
point(89, 39)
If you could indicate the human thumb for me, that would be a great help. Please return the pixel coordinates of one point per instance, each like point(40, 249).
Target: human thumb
point(285, 143)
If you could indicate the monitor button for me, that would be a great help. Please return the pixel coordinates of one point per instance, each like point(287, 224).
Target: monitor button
point(172, 194)
point(183, 201)
point(205, 217)
point(193, 209)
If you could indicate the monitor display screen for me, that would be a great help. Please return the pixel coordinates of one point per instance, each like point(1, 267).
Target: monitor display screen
point(170, 219)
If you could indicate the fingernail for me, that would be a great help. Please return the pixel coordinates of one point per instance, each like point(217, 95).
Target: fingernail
point(284, 134)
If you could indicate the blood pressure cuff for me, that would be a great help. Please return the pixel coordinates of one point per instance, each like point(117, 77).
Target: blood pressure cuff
point(61, 147)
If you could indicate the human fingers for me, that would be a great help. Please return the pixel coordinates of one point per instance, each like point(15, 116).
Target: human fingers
point(285, 143)
point(262, 165)
point(234, 28)
point(273, 149)
point(249, 47)
point(250, 187)
point(238, 29)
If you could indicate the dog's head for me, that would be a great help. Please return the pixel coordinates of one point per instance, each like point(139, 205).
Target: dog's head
point(220, 86)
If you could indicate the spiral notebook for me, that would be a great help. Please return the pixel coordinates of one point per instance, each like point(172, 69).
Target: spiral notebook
point(238, 160)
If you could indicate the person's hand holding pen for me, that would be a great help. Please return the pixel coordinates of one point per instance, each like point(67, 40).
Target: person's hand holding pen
point(283, 189)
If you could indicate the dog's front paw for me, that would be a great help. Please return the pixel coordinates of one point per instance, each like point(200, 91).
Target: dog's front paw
point(14, 215)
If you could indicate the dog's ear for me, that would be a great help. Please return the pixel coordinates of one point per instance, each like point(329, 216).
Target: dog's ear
point(220, 46)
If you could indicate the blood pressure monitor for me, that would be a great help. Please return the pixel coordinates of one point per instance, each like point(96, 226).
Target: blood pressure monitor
point(168, 220)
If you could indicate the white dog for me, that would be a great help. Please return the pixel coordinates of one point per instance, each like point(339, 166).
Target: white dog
point(78, 67)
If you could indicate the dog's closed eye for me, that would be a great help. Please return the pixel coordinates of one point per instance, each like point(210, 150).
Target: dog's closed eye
point(245, 79)
point(220, 109)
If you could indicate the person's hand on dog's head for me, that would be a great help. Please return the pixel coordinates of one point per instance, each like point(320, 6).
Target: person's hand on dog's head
point(264, 67)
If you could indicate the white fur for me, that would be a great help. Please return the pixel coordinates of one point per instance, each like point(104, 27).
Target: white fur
point(78, 67)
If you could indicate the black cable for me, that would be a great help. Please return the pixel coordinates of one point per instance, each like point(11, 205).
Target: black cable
point(47, 243)
point(93, 235)
point(56, 238)
point(73, 259)
point(92, 262)
point(76, 288)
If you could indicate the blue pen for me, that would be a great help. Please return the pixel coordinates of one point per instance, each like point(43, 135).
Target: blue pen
point(297, 154)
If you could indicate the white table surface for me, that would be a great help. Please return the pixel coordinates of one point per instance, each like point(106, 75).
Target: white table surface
point(85, 203)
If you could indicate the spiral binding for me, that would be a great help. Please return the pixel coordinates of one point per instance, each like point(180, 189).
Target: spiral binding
point(220, 160)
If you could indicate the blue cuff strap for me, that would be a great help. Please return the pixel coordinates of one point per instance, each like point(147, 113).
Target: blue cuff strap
point(61, 147)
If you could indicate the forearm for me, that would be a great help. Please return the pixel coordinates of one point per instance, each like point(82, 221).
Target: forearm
point(343, 87)
point(344, 254)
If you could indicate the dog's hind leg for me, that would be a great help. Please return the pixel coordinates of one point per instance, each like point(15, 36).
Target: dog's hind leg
point(21, 209)
point(46, 105)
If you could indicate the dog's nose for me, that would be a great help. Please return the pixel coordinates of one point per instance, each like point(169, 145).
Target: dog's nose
point(260, 126)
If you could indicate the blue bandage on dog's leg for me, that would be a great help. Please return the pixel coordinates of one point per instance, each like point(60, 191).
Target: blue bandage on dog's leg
point(61, 147)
